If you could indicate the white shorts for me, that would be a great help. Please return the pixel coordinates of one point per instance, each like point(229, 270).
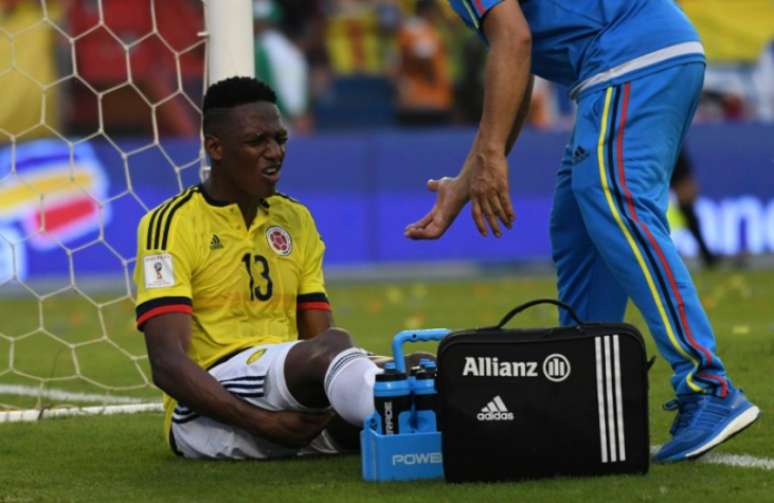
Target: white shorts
point(258, 379)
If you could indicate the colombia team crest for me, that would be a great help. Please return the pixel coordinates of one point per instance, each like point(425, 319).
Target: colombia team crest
point(279, 240)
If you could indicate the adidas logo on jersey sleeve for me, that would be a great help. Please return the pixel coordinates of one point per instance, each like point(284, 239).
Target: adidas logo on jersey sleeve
point(495, 410)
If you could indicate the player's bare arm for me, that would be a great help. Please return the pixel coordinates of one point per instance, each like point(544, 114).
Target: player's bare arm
point(484, 176)
point(521, 117)
point(507, 75)
point(167, 337)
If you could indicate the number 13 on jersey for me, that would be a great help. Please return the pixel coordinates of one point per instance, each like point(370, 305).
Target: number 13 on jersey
point(263, 290)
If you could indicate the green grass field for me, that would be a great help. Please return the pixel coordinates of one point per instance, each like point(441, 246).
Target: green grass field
point(123, 458)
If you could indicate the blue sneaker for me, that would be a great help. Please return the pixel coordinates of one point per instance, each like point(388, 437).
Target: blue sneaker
point(704, 421)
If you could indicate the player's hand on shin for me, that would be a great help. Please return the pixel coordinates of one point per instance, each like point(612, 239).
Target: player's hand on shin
point(489, 193)
point(294, 429)
point(451, 197)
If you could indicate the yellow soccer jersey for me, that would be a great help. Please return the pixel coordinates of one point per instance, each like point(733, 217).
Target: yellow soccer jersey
point(242, 286)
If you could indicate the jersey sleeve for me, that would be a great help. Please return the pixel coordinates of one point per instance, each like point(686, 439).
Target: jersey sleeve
point(472, 12)
point(311, 292)
point(162, 272)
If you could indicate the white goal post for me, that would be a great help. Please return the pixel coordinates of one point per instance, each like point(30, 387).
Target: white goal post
point(230, 43)
point(63, 330)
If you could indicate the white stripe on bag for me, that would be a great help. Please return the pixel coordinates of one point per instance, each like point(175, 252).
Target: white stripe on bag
point(601, 402)
point(618, 403)
point(610, 404)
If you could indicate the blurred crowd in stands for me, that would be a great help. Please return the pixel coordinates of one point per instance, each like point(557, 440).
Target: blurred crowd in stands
point(334, 63)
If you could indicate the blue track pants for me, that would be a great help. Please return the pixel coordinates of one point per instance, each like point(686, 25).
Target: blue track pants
point(609, 230)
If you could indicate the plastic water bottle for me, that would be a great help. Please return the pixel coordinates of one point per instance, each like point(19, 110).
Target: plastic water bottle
point(392, 400)
point(425, 397)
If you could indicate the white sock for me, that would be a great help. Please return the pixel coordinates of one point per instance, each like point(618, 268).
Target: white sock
point(349, 385)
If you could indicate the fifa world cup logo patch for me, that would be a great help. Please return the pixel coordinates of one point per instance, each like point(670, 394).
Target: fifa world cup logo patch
point(159, 270)
point(279, 240)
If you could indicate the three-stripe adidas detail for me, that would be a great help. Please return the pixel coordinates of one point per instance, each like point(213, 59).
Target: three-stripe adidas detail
point(161, 221)
point(612, 438)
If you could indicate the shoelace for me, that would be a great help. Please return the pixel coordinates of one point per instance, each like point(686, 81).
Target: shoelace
point(686, 409)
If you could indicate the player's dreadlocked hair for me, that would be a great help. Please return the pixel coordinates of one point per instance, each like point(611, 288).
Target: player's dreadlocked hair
point(229, 93)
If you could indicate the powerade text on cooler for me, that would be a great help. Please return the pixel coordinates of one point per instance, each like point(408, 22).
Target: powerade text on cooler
point(392, 401)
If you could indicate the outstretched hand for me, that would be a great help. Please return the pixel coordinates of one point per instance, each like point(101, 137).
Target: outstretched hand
point(451, 198)
point(485, 183)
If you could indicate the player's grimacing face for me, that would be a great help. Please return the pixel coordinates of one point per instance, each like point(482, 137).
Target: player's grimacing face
point(254, 148)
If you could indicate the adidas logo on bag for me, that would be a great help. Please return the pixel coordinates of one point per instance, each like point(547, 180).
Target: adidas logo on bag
point(495, 410)
point(215, 243)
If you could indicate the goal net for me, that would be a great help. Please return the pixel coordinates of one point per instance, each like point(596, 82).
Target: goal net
point(99, 122)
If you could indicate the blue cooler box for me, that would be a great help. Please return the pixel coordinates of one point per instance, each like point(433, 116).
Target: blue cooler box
point(404, 456)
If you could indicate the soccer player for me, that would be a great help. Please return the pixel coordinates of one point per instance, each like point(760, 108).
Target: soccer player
point(229, 277)
point(635, 68)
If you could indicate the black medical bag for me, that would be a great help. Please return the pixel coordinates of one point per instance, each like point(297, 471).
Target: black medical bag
point(529, 403)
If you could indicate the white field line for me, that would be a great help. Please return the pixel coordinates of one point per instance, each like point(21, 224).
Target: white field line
point(58, 394)
point(18, 416)
point(737, 460)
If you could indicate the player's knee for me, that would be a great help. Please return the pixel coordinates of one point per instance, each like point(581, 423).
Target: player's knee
point(336, 338)
point(330, 343)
